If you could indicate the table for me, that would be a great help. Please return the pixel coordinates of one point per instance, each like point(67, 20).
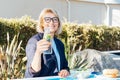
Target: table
point(68, 78)
point(73, 77)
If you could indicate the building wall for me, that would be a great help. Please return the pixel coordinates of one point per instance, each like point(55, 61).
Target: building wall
point(85, 12)
point(114, 15)
point(19, 8)
point(12, 8)
point(80, 11)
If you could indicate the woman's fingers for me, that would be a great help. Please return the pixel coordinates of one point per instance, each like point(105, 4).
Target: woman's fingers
point(43, 45)
point(63, 73)
point(43, 42)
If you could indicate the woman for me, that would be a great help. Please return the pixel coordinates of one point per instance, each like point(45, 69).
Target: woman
point(41, 64)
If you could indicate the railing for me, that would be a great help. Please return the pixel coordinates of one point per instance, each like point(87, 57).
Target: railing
point(117, 52)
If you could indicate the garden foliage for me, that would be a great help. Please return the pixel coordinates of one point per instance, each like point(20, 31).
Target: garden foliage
point(75, 37)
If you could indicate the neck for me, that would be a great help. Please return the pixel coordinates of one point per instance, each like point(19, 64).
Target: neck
point(52, 34)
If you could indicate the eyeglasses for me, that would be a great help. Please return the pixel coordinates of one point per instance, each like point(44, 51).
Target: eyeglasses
point(48, 19)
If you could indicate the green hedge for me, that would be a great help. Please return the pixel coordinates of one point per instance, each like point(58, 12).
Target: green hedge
point(75, 36)
point(25, 26)
point(82, 36)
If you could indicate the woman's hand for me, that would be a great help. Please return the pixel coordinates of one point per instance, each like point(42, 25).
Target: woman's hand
point(63, 73)
point(42, 46)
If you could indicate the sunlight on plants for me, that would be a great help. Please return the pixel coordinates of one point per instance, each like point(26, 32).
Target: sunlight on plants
point(10, 61)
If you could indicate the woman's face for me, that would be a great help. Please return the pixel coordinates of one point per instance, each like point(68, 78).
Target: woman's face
point(51, 21)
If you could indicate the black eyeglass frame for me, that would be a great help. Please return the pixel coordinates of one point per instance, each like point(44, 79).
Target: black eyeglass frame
point(54, 19)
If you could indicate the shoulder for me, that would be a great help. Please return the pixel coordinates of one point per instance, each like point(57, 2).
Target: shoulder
point(35, 38)
point(31, 44)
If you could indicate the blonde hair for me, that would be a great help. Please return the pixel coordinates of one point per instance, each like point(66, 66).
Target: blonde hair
point(40, 27)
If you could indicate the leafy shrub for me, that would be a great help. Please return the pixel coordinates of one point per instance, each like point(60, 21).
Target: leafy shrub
point(25, 26)
point(75, 37)
point(11, 65)
point(82, 36)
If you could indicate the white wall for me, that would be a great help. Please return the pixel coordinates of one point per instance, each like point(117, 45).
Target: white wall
point(82, 11)
point(12, 8)
point(115, 15)
point(34, 7)
point(19, 8)
point(103, 1)
point(87, 12)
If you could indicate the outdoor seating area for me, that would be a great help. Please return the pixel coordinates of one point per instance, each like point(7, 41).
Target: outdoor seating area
point(60, 40)
point(73, 52)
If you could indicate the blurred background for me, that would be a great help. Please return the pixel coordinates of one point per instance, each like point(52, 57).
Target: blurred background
point(87, 24)
point(81, 11)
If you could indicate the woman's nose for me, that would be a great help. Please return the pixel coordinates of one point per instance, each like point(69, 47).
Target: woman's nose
point(51, 21)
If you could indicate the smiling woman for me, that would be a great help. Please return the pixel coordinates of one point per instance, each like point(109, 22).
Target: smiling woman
point(45, 20)
point(40, 61)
